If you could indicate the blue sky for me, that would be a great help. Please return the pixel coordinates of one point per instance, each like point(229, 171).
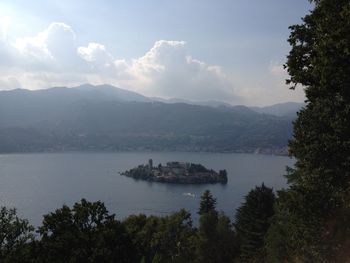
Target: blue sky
point(228, 50)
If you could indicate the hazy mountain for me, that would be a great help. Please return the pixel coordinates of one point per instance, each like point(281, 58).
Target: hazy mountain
point(281, 109)
point(287, 109)
point(106, 118)
point(210, 103)
point(114, 93)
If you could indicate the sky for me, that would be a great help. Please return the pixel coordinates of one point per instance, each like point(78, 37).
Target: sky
point(226, 50)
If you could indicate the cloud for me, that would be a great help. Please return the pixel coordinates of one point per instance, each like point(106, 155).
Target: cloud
point(53, 58)
point(270, 87)
point(95, 53)
point(53, 49)
point(9, 83)
point(168, 70)
point(100, 61)
point(278, 69)
point(4, 26)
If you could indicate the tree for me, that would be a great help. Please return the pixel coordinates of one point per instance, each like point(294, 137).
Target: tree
point(176, 238)
point(226, 240)
point(85, 233)
point(207, 203)
point(318, 195)
point(252, 222)
point(207, 249)
point(163, 239)
point(216, 237)
point(320, 61)
point(15, 234)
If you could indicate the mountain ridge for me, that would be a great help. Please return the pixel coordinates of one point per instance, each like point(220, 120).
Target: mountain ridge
point(86, 119)
point(109, 92)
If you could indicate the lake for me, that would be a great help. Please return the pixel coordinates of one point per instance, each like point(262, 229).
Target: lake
point(40, 183)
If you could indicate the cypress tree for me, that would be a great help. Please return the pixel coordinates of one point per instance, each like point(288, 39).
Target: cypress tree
point(207, 204)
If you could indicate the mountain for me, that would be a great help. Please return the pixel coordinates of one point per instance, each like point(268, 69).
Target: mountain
point(104, 118)
point(114, 93)
point(210, 103)
point(288, 109)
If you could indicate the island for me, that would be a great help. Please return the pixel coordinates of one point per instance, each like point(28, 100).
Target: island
point(177, 172)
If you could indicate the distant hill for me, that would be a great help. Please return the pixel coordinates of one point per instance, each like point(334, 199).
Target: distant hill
point(281, 109)
point(210, 103)
point(105, 118)
point(113, 93)
point(287, 109)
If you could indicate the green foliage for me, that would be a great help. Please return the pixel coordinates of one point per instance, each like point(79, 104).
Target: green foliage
point(216, 237)
point(85, 233)
point(207, 248)
point(163, 239)
point(88, 233)
point(207, 203)
point(320, 60)
point(304, 227)
point(252, 222)
point(226, 239)
point(15, 234)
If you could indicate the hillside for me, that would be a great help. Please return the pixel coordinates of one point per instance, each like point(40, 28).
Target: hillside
point(104, 118)
point(288, 109)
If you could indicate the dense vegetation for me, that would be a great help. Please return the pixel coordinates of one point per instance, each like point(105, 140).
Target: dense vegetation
point(88, 233)
point(312, 220)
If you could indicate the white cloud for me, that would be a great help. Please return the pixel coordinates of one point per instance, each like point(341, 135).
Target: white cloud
point(95, 53)
point(278, 69)
point(52, 49)
point(9, 83)
point(168, 70)
point(4, 26)
point(53, 58)
point(269, 87)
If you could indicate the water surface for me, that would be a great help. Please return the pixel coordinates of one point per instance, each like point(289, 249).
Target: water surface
point(40, 183)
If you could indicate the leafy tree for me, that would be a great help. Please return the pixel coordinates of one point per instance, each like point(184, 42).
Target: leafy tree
point(163, 239)
point(15, 234)
point(85, 233)
point(312, 210)
point(141, 234)
point(252, 222)
point(320, 61)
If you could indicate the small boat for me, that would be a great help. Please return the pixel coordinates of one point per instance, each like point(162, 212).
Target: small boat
point(189, 194)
